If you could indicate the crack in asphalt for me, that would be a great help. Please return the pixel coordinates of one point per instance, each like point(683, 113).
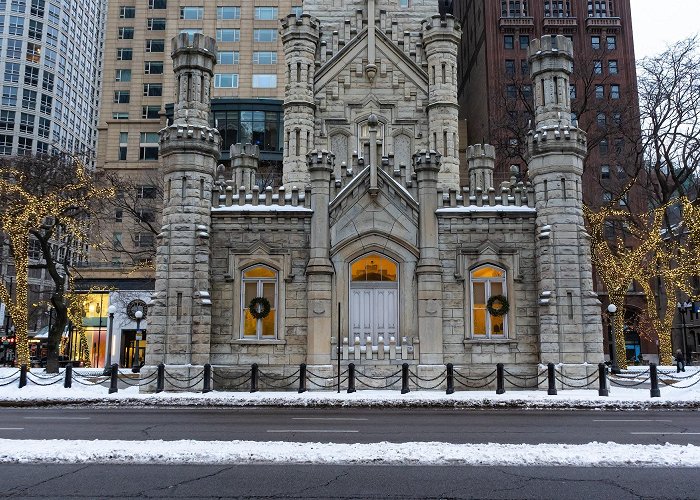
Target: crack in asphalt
point(146, 431)
point(191, 480)
point(327, 483)
point(607, 482)
point(13, 492)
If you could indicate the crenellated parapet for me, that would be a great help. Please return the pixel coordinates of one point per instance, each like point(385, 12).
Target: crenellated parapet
point(551, 64)
point(300, 36)
point(516, 198)
point(303, 27)
point(321, 160)
point(564, 139)
point(427, 159)
point(186, 138)
point(194, 59)
point(228, 197)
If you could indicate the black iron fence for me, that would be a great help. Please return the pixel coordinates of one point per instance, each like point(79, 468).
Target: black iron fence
point(451, 379)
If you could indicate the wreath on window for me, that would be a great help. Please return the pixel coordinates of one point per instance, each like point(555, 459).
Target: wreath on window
point(498, 305)
point(259, 307)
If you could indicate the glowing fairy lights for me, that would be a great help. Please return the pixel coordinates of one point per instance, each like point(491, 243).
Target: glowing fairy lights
point(653, 253)
point(32, 203)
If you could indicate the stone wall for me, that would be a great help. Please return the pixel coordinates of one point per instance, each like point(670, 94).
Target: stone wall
point(275, 239)
point(468, 240)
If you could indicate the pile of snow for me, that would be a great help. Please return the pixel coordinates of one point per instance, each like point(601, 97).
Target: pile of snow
point(431, 453)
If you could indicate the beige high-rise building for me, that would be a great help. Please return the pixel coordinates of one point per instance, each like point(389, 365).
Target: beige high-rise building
point(139, 90)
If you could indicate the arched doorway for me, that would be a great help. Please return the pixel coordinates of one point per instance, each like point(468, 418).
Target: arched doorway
point(374, 291)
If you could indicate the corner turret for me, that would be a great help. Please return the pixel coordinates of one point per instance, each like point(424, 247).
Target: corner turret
point(441, 39)
point(300, 36)
point(569, 312)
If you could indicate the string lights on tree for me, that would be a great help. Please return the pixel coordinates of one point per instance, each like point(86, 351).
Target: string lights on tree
point(46, 199)
point(651, 252)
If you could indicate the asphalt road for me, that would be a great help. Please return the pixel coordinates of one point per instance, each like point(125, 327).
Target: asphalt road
point(343, 482)
point(356, 425)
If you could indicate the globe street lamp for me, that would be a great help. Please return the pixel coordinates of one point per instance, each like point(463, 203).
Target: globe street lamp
point(682, 309)
point(108, 360)
point(612, 345)
point(135, 363)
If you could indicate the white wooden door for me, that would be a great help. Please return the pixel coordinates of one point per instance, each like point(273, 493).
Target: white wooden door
point(373, 312)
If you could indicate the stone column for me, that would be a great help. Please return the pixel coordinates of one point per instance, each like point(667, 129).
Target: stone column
point(429, 268)
point(180, 317)
point(569, 311)
point(441, 39)
point(319, 270)
point(300, 36)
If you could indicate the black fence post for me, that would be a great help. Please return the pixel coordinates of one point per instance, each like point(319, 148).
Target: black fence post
point(68, 380)
point(450, 379)
point(160, 384)
point(351, 378)
point(500, 379)
point(552, 390)
point(114, 380)
point(207, 379)
point(602, 379)
point(302, 378)
point(655, 392)
point(22, 376)
point(404, 379)
point(254, 378)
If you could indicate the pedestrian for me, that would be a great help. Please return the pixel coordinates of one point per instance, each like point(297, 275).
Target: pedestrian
point(680, 361)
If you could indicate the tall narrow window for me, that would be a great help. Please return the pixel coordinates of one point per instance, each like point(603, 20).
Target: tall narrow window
point(487, 282)
point(259, 303)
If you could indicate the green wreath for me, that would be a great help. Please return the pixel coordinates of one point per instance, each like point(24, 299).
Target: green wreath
point(259, 307)
point(502, 305)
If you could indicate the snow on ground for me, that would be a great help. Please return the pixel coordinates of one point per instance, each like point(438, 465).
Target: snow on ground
point(620, 398)
point(430, 453)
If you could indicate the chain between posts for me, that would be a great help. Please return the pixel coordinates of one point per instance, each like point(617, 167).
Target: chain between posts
point(407, 376)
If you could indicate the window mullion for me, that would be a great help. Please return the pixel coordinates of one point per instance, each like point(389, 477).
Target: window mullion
point(487, 296)
point(258, 321)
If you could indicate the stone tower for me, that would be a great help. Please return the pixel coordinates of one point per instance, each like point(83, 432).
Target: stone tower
point(441, 39)
point(180, 322)
point(300, 36)
point(569, 310)
point(481, 159)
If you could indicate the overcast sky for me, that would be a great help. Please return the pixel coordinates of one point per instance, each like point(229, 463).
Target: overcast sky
point(659, 23)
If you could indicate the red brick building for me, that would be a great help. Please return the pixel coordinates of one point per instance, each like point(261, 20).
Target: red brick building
point(495, 94)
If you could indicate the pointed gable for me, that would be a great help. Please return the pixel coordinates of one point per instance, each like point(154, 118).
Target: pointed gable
point(392, 212)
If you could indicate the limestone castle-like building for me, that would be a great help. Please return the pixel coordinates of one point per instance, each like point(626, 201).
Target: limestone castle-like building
point(384, 245)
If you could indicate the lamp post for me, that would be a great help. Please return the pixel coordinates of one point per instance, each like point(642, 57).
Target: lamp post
point(108, 354)
point(612, 345)
point(135, 364)
point(682, 309)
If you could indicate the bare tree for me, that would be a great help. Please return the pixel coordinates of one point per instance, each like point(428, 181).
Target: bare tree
point(611, 121)
point(136, 208)
point(669, 100)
